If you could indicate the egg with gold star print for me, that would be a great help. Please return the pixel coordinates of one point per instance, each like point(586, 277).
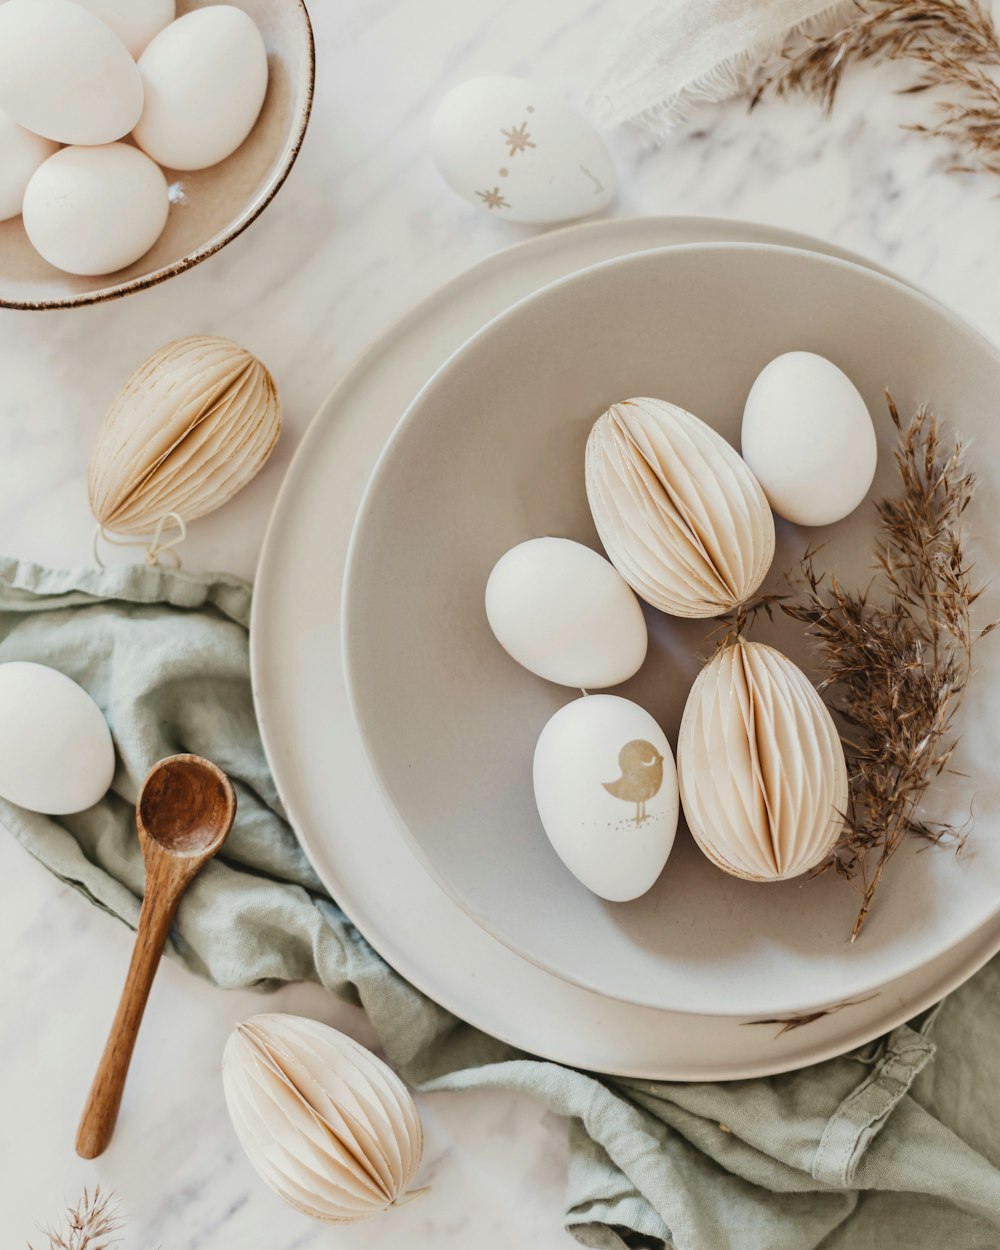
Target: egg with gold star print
point(520, 153)
point(606, 791)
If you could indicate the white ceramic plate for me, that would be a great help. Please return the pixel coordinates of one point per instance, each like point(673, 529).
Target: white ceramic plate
point(491, 453)
point(320, 767)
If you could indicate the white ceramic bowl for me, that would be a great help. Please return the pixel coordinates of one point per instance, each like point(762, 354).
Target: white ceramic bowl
point(491, 453)
point(210, 207)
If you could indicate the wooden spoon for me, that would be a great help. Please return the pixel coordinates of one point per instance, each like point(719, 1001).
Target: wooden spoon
point(184, 811)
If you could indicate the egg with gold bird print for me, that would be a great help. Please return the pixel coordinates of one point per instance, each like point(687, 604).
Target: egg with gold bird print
point(606, 792)
point(642, 776)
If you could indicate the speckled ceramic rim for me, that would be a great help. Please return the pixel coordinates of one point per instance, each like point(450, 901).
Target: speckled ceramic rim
point(219, 241)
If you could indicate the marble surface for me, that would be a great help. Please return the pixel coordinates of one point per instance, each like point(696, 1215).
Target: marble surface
point(363, 229)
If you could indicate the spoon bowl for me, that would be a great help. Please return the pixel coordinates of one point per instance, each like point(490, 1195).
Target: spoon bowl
point(186, 806)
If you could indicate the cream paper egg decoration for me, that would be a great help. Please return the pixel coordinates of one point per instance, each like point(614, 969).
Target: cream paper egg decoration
point(680, 514)
point(188, 429)
point(327, 1125)
point(518, 152)
point(763, 779)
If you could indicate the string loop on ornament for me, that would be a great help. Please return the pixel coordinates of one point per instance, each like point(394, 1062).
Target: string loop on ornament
point(155, 547)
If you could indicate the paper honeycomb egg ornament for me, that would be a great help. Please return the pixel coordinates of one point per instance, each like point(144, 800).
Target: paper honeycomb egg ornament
point(680, 514)
point(188, 429)
point(762, 774)
point(327, 1125)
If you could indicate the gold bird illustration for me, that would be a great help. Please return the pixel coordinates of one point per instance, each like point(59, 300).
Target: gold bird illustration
point(642, 776)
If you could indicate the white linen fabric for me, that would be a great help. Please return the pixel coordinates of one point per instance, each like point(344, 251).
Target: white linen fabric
point(682, 53)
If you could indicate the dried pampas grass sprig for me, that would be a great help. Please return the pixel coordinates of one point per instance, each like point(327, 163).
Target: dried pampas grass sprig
point(954, 43)
point(90, 1225)
point(898, 656)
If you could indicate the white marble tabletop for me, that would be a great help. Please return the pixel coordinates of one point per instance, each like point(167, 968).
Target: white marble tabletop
point(362, 230)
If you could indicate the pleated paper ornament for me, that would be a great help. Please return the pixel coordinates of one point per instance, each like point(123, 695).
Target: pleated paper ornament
point(762, 774)
point(680, 515)
point(327, 1125)
point(188, 429)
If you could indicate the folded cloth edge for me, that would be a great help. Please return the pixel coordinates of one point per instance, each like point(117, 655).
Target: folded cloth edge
point(682, 54)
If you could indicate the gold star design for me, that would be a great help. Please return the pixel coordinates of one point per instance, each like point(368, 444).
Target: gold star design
point(493, 199)
point(518, 139)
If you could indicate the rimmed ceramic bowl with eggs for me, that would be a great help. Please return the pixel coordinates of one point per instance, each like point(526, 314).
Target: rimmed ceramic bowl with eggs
point(490, 454)
point(208, 207)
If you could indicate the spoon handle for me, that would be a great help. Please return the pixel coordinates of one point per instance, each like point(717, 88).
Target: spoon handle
point(99, 1115)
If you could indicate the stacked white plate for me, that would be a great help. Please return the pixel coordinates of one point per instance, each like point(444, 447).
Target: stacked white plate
point(442, 865)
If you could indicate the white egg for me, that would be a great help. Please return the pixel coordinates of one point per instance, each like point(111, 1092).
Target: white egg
point(606, 790)
point(96, 210)
point(135, 22)
point(517, 151)
point(56, 753)
point(566, 614)
point(64, 74)
point(205, 78)
point(809, 439)
point(21, 153)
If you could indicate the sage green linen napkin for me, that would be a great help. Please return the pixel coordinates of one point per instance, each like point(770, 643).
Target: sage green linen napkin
point(898, 1141)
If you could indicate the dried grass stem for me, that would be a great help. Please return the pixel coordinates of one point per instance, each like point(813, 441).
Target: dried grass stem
point(953, 42)
point(897, 656)
point(90, 1225)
